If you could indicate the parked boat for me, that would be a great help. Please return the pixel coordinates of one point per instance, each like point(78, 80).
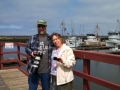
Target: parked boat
point(116, 48)
point(73, 42)
point(113, 38)
point(92, 40)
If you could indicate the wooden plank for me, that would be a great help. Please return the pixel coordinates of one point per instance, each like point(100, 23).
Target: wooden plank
point(3, 85)
point(14, 80)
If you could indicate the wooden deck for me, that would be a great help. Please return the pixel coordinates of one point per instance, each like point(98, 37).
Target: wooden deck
point(13, 79)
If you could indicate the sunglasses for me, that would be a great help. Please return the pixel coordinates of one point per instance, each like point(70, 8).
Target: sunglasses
point(40, 25)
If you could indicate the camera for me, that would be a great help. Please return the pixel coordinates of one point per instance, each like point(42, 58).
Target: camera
point(55, 58)
point(36, 61)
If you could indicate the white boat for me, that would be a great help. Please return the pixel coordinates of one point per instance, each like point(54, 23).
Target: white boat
point(113, 38)
point(73, 42)
point(92, 40)
point(117, 47)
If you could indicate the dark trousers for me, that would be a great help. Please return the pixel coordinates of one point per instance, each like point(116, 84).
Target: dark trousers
point(67, 86)
point(33, 80)
point(54, 83)
point(54, 86)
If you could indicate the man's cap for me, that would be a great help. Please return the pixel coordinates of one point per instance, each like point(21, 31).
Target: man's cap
point(42, 22)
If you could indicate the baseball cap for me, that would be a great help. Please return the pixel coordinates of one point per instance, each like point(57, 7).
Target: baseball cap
point(42, 22)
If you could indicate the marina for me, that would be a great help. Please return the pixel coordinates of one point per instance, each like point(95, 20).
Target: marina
point(91, 29)
point(91, 51)
point(83, 42)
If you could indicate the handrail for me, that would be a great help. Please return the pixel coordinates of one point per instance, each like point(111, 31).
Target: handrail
point(87, 56)
point(98, 56)
point(2, 61)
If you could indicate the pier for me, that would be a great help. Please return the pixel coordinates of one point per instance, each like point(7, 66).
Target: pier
point(6, 73)
point(13, 79)
point(92, 47)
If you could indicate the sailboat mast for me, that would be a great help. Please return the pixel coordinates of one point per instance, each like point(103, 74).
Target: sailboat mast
point(63, 28)
point(96, 30)
point(118, 24)
point(72, 28)
point(83, 29)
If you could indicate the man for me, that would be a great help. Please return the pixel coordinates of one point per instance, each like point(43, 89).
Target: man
point(40, 42)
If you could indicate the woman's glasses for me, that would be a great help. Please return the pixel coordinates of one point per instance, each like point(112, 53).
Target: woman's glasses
point(55, 39)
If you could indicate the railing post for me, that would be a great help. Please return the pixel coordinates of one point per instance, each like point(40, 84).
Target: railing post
point(0, 55)
point(18, 55)
point(86, 70)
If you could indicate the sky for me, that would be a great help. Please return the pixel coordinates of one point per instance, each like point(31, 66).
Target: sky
point(19, 17)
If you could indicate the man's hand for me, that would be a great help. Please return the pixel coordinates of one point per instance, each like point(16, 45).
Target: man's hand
point(33, 54)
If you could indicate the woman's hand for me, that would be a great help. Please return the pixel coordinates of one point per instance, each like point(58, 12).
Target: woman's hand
point(60, 60)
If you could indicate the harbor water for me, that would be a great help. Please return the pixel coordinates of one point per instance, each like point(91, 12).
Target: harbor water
point(98, 69)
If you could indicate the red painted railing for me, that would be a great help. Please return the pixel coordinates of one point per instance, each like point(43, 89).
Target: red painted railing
point(87, 56)
point(3, 61)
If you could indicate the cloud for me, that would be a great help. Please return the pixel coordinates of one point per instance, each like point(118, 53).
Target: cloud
point(10, 26)
point(23, 14)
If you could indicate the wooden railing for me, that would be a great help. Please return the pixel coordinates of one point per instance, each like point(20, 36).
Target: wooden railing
point(17, 60)
point(87, 56)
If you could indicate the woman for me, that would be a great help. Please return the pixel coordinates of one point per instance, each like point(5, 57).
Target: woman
point(62, 62)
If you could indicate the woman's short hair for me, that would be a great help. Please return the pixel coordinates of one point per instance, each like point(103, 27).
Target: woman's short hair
point(59, 36)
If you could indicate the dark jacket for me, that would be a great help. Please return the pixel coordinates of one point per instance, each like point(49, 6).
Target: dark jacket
point(33, 44)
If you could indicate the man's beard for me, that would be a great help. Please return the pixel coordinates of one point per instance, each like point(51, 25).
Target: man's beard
point(41, 32)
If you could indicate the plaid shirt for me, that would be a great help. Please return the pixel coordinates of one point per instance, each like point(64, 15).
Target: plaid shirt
point(33, 44)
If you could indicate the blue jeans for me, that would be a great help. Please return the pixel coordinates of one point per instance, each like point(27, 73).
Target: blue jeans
point(33, 80)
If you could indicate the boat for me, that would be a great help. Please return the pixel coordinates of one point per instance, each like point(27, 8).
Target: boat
point(73, 42)
point(116, 48)
point(92, 40)
point(113, 38)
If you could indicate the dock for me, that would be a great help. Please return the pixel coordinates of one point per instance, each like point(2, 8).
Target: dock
point(92, 47)
point(113, 52)
point(14, 79)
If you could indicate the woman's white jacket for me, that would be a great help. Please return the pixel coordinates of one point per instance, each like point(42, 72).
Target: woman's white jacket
point(64, 70)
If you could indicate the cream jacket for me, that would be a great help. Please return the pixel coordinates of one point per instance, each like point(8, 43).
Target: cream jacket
point(64, 70)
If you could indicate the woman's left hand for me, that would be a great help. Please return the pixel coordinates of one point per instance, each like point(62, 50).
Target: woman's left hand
point(60, 60)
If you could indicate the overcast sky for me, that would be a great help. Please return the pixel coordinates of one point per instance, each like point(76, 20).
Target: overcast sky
point(19, 17)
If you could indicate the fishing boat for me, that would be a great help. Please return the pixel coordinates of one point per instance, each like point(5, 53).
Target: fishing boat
point(113, 38)
point(73, 42)
point(92, 40)
point(116, 48)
